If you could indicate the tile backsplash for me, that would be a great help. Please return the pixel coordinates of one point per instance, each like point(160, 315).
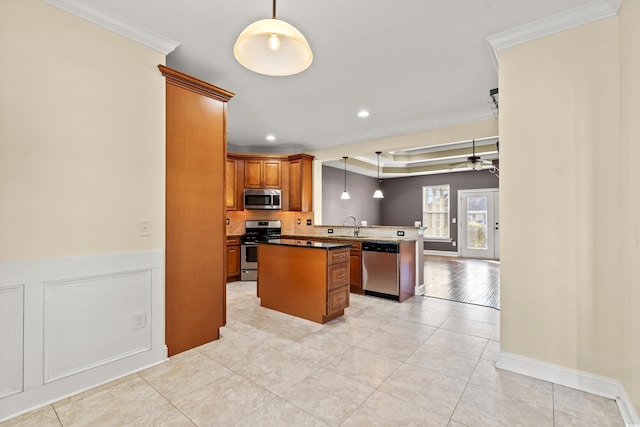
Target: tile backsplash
point(289, 221)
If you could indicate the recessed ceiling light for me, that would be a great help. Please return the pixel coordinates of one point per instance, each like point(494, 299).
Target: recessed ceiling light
point(363, 114)
point(271, 138)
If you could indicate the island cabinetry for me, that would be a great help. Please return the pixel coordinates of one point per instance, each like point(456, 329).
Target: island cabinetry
point(300, 182)
point(233, 258)
point(303, 278)
point(262, 173)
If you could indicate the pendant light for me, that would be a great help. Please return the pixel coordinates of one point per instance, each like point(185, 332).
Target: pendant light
point(273, 47)
point(378, 193)
point(345, 193)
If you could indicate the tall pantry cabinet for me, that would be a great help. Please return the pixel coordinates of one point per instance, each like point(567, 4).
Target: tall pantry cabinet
point(195, 267)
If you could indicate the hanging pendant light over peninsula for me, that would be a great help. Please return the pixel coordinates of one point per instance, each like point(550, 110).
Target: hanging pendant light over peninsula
point(345, 193)
point(273, 47)
point(378, 193)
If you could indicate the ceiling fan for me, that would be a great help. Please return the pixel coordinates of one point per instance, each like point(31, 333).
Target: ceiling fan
point(476, 162)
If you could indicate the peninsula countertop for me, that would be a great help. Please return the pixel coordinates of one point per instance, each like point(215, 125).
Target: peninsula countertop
point(351, 238)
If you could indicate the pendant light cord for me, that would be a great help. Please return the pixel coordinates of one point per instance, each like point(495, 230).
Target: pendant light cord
point(274, 10)
point(345, 172)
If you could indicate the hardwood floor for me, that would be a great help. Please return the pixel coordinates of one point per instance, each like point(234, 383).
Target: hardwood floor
point(474, 281)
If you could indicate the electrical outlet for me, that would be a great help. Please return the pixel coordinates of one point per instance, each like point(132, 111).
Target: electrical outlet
point(139, 320)
point(144, 228)
point(330, 231)
point(227, 221)
point(453, 220)
point(453, 243)
point(400, 233)
point(308, 222)
point(299, 221)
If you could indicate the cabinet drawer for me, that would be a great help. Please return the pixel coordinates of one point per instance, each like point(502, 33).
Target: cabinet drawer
point(338, 255)
point(233, 241)
point(338, 275)
point(338, 299)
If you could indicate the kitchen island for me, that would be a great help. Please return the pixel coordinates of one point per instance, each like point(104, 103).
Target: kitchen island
point(304, 278)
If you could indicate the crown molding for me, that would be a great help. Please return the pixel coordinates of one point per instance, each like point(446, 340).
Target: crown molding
point(581, 15)
point(118, 25)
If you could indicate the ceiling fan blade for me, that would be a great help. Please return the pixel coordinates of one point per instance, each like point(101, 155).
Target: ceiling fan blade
point(457, 165)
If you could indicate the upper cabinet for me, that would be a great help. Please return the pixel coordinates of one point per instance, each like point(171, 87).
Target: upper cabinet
point(292, 174)
point(262, 173)
point(300, 186)
point(234, 183)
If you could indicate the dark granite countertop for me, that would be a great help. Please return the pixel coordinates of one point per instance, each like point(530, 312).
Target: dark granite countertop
point(351, 238)
point(306, 243)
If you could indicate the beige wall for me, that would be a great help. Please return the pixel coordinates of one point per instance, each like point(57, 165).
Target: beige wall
point(630, 201)
point(565, 181)
point(81, 137)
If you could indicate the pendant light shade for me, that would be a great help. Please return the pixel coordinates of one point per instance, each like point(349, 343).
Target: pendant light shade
point(273, 47)
point(378, 193)
point(345, 193)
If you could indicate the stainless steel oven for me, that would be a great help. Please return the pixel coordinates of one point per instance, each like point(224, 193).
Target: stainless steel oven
point(256, 231)
point(249, 261)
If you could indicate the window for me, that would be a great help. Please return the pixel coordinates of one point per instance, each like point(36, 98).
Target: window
point(435, 211)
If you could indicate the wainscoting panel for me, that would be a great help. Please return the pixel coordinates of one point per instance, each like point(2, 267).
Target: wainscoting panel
point(96, 320)
point(11, 340)
point(70, 324)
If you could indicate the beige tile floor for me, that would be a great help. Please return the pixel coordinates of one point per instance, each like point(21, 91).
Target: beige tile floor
point(425, 362)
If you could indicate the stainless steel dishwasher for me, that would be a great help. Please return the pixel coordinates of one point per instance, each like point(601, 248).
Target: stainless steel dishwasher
point(380, 269)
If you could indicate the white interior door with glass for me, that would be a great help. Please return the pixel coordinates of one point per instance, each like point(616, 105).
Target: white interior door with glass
point(479, 223)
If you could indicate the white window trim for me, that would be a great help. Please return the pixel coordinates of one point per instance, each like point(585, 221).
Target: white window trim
point(437, 239)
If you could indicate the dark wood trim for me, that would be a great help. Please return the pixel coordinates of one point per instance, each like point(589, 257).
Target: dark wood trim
point(195, 85)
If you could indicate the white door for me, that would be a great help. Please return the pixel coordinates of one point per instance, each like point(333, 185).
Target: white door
point(478, 221)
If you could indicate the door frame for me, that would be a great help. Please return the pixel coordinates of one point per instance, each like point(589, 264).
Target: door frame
point(462, 220)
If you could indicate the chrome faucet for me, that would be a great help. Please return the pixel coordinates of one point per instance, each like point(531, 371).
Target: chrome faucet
point(355, 225)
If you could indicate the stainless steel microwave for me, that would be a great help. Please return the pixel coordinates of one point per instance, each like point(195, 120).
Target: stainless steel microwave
point(262, 198)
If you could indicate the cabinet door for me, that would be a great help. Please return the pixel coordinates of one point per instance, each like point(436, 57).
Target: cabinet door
point(233, 261)
point(231, 185)
point(295, 185)
point(300, 177)
point(271, 174)
point(253, 173)
point(355, 271)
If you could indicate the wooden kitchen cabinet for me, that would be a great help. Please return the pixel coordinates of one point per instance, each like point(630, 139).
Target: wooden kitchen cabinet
point(195, 244)
point(300, 182)
point(233, 258)
point(304, 278)
point(355, 264)
point(234, 184)
point(230, 185)
point(262, 173)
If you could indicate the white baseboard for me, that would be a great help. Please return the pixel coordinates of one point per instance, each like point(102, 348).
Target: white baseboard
point(579, 380)
point(442, 253)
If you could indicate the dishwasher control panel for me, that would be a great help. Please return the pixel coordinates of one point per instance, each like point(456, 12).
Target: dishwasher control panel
point(386, 247)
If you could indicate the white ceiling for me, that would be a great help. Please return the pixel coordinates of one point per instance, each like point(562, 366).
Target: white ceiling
point(414, 64)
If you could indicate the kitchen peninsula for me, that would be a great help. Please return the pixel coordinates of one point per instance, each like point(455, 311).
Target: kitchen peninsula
point(304, 278)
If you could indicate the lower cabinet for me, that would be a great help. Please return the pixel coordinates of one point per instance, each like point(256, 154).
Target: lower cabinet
point(355, 264)
point(310, 282)
point(233, 259)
